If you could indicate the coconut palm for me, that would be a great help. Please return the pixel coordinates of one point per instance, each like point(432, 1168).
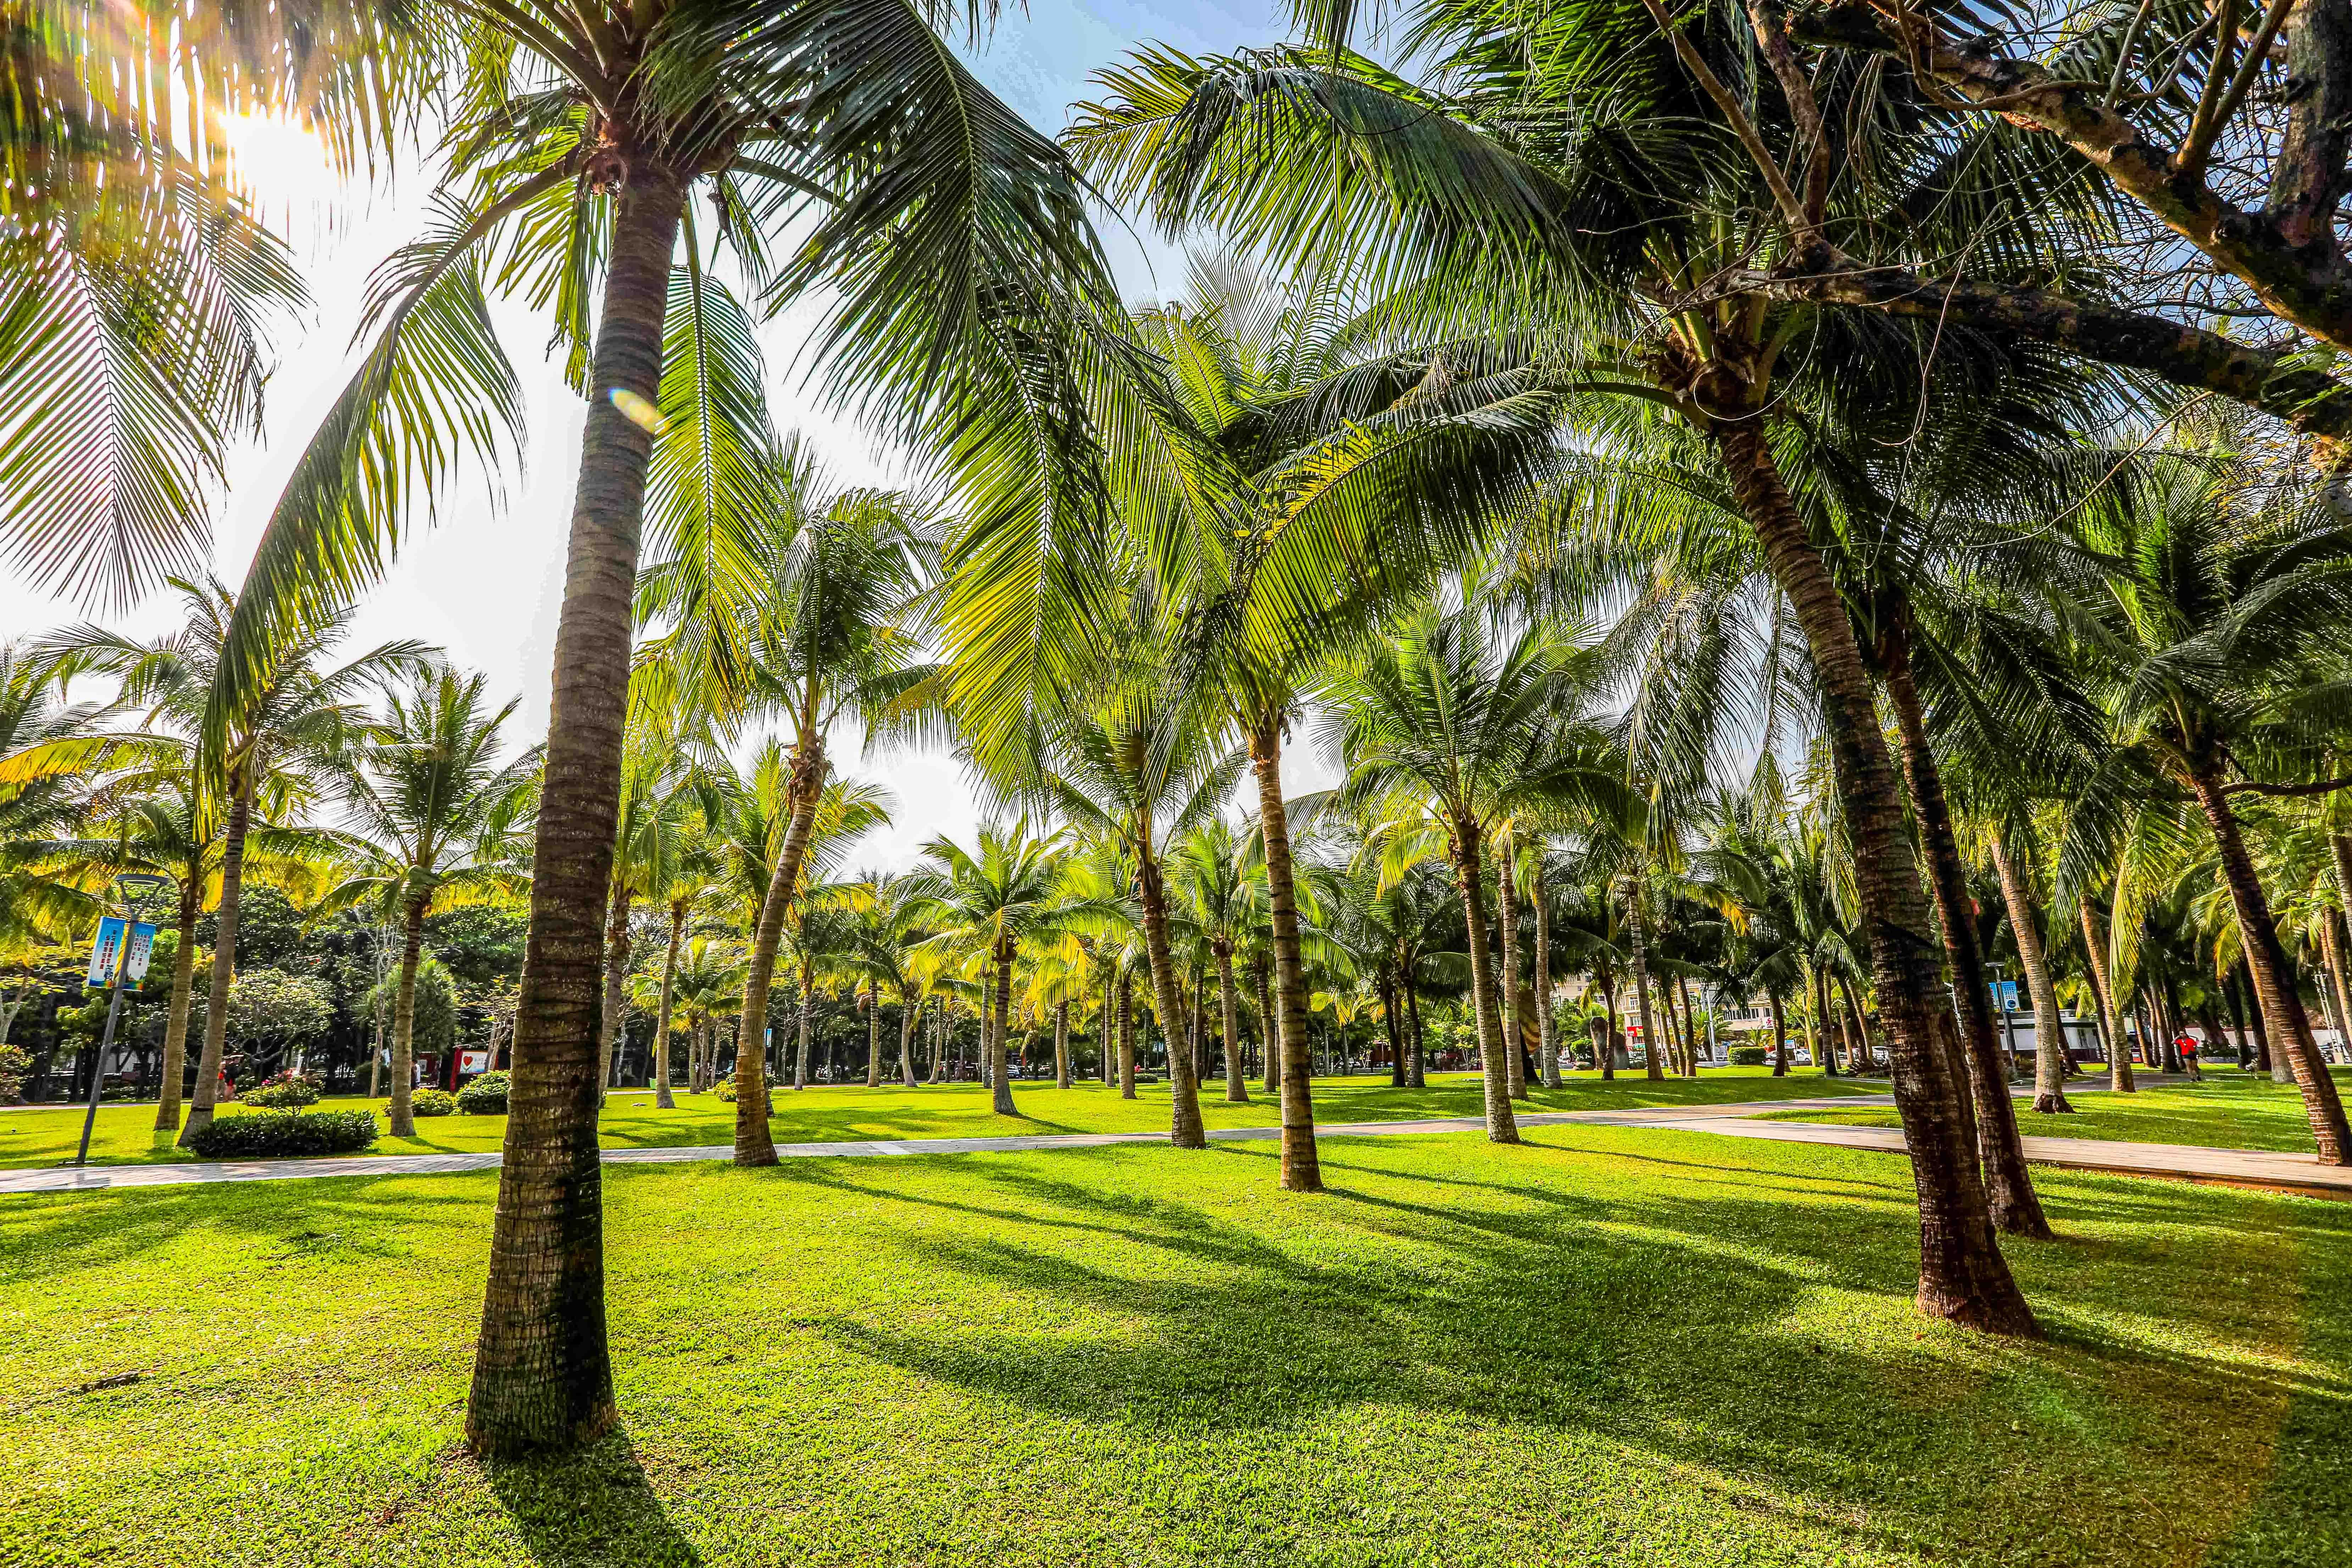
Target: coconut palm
point(1224, 886)
point(435, 821)
point(888, 914)
point(986, 901)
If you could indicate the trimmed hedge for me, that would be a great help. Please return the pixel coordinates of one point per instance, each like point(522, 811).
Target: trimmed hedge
point(266, 1132)
point(486, 1096)
point(432, 1102)
point(1748, 1056)
point(287, 1091)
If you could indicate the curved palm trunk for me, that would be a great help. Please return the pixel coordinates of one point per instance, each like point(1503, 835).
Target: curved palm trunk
point(1547, 1037)
point(1962, 1275)
point(401, 1118)
point(208, 1062)
point(1229, 1017)
point(911, 1012)
point(1637, 928)
point(175, 1032)
point(616, 975)
point(1126, 1037)
point(1506, 914)
point(1060, 1045)
point(2049, 1027)
point(2290, 1030)
point(662, 1099)
point(2119, 1070)
point(2009, 1186)
point(542, 1371)
point(1000, 1016)
point(2332, 942)
point(1302, 1168)
point(1502, 1127)
point(754, 1143)
point(1184, 1127)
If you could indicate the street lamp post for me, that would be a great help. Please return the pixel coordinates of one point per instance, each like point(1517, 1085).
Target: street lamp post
point(135, 887)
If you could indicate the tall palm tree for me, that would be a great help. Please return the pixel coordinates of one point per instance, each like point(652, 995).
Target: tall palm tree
point(293, 709)
point(682, 868)
point(987, 901)
point(436, 820)
point(888, 915)
point(1225, 885)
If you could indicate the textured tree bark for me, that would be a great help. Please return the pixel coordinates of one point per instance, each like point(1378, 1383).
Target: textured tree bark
point(1546, 1035)
point(662, 1098)
point(2275, 978)
point(1395, 1025)
point(754, 1144)
point(2009, 1185)
point(208, 1061)
point(1236, 1076)
point(1184, 1127)
point(2048, 1030)
point(910, 1013)
point(1302, 1169)
point(1962, 1275)
point(542, 1372)
point(1502, 1127)
point(1269, 1027)
point(1637, 929)
point(176, 1031)
point(401, 1120)
point(1507, 916)
point(2331, 928)
point(1126, 1035)
point(1606, 1060)
point(873, 1034)
point(1000, 1022)
point(616, 975)
point(804, 1030)
point(1779, 1035)
point(1060, 1045)
point(2111, 1024)
point(1417, 1078)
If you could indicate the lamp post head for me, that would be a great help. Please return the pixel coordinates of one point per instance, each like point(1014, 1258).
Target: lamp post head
point(137, 887)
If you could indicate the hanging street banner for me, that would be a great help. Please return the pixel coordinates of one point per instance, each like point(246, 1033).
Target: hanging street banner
point(107, 953)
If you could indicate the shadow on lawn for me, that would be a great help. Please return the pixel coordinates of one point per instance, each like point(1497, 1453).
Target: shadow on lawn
point(591, 1510)
point(1679, 1324)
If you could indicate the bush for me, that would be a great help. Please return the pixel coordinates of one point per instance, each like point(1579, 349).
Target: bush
point(726, 1090)
point(287, 1091)
point(432, 1102)
point(486, 1096)
point(1747, 1056)
point(264, 1132)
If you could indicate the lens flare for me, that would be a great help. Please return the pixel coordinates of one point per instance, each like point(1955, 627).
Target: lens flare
point(639, 412)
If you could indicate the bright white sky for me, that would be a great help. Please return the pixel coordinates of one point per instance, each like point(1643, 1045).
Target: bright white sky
point(485, 583)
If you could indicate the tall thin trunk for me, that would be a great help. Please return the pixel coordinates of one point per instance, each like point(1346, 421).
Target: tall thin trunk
point(232, 893)
point(1690, 1029)
point(1418, 1078)
point(2009, 1185)
point(940, 1028)
point(1060, 1045)
point(1395, 1025)
point(616, 975)
point(401, 1119)
point(805, 1030)
point(1267, 1027)
point(1857, 1025)
point(1302, 1171)
point(2243, 982)
point(1502, 1127)
point(1817, 1037)
point(2274, 985)
point(1635, 928)
point(2111, 1024)
point(662, 1098)
point(2049, 1031)
point(1962, 1275)
point(175, 1032)
point(754, 1145)
point(542, 1371)
point(1126, 1035)
point(1507, 915)
point(873, 1034)
point(1779, 1035)
point(911, 1012)
point(1184, 1127)
point(1607, 1060)
point(1229, 1016)
point(1000, 1018)
point(2332, 935)
point(1547, 1037)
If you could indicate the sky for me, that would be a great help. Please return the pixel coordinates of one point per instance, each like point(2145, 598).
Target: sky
point(485, 580)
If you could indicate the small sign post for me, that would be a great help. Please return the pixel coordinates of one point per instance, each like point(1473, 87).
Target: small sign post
point(118, 961)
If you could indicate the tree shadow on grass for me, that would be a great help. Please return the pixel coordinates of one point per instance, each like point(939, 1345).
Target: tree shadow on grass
point(593, 1509)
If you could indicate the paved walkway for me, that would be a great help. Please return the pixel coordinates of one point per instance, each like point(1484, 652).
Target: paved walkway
point(2238, 1167)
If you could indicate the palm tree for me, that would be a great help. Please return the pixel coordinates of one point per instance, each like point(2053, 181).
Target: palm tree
point(289, 712)
point(1225, 885)
point(1438, 712)
point(681, 867)
point(436, 820)
point(888, 914)
point(987, 901)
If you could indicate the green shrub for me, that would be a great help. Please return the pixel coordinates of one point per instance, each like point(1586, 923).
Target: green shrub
point(726, 1090)
point(1747, 1056)
point(256, 1133)
point(287, 1091)
point(486, 1096)
point(432, 1102)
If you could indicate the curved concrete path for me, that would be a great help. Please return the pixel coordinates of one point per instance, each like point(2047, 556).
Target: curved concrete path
point(2236, 1167)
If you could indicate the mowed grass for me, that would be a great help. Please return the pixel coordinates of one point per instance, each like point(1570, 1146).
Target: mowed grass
point(126, 1133)
point(2230, 1110)
point(1608, 1346)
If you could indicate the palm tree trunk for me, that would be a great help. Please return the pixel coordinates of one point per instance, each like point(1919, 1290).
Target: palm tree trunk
point(1184, 1127)
point(805, 1029)
point(1690, 1029)
point(1302, 1169)
point(1962, 1275)
point(1394, 1025)
point(2274, 979)
point(939, 1027)
point(662, 1099)
point(542, 1369)
point(1126, 1035)
point(911, 1012)
point(175, 1032)
point(1547, 1037)
point(1507, 915)
point(2049, 1029)
point(754, 1143)
point(1502, 1127)
point(872, 1036)
point(1001, 1015)
point(2331, 930)
point(1419, 1044)
point(232, 892)
point(1779, 1035)
point(2009, 1185)
point(616, 975)
point(1267, 1027)
point(1060, 1045)
point(1607, 1060)
point(1650, 1069)
point(401, 1119)
point(1229, 1019)
point(2111, 1024)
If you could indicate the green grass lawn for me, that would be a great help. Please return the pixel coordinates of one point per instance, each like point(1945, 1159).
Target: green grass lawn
point(2230, 1110)
point(126, 1133)
point(1609, 1346)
